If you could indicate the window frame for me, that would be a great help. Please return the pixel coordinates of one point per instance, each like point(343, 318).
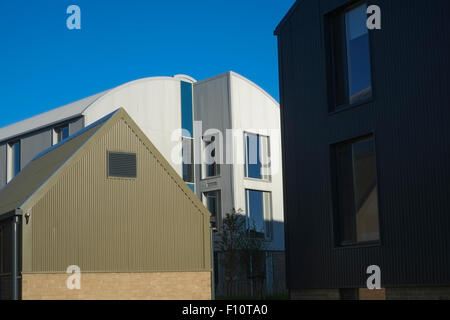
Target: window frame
point(330, 19)
point(192, 164)
point(59, 130)
point(335, 201)
point(267, 178)
point(218, 216)
point(204, 165)
point(268, 224)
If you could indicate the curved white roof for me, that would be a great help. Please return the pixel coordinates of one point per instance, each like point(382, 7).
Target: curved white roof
point(69, 111)
point(79, 107)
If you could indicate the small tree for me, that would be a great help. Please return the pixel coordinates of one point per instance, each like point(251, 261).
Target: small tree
point(230, 244)
point(253, 246)
point(243, 250)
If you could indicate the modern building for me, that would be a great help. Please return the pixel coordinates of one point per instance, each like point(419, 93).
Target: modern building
point(221, 135)
point(367, 183)
point(104, 202)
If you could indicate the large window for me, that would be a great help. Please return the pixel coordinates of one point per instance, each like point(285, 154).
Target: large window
point(13, 160)
point(60, 134)
point(356, 198)
point(259, 213)
point(257, 155)
point(211, 200)
point(349, 57)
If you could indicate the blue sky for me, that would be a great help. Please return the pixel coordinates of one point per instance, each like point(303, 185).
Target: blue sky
point(44, 65)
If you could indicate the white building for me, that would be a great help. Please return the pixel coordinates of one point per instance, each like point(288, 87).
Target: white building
point(161, 106)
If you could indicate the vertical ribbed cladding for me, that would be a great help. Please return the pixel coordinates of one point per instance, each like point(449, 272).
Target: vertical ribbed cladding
point(105, 224)
point(409, 117)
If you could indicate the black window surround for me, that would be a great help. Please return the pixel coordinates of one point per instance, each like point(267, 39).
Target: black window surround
point(337, 66)
point(354, 179)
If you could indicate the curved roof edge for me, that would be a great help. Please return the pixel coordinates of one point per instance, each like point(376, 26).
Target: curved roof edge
point(250, 82)
point(65, 112)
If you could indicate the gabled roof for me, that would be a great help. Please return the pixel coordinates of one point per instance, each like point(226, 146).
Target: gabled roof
point(286, 17)
point(38, 171)
point(43, 171)
point(48, 118)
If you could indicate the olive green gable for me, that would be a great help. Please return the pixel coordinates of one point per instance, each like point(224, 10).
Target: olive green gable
point(80, 216)
point(14, 194)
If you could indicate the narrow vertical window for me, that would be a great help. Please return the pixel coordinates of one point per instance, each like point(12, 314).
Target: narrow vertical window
point(211, 200)
point(348, 57)
point(187, 141)
point(356, 197)
point(211, 168)
point(257, 156)
point(188, 160)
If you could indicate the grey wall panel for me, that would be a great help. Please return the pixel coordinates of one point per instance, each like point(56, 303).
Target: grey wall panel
point(409, 116)
point(76, 126)
point(2, 165)
point(34, 144)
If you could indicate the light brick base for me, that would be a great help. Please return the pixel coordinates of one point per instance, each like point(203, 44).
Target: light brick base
point(119, 286)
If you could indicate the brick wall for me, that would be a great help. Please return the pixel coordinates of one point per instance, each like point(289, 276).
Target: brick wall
point(419, 293)
point(376, 294)
point(119, 286)
point(314, 294)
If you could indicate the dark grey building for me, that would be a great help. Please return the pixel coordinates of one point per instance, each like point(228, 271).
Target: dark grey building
point(366, 137)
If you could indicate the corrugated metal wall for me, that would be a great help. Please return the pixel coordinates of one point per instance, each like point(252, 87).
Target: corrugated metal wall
point(409, 116)
point(6, 229)
point(124, 225)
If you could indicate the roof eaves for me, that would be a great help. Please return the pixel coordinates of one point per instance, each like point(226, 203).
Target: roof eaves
point(286, 17)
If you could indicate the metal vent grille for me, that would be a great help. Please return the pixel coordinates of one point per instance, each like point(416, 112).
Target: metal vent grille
point(122, 165)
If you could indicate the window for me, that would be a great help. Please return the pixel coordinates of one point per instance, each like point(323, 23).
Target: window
point(122, 165)
point(211, 200)
point(349, 57)
point(356, 198)
point(257, 155)
point(259, 213)
point(186, 108)
point(13, 159)
point(188, 160)
point(60, 134)
point(211, 168)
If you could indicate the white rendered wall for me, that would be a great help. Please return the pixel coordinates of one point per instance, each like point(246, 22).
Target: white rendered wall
point(153, 103)
point(211, 107)
point(255, 111)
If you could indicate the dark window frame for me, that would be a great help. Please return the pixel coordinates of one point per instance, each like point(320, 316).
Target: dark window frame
point(217, 221)
point(262, 178)
point(335, 201)
point(188, 168)
point(268, 224)
point(330, 19)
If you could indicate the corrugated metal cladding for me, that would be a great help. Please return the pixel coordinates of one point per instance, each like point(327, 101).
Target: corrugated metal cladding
point(107, 224)
point(409, 117)
point(6, 229)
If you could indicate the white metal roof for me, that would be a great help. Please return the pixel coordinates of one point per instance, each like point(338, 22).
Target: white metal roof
point(48, 118)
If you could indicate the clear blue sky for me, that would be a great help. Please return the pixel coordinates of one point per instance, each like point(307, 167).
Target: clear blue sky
point(44, 65)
